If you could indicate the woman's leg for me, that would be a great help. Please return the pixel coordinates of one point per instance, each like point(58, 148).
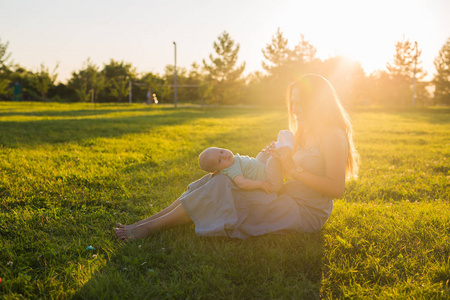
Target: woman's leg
point(274, 174)
point(192, 186)
point(161, 213)
point(177, 216)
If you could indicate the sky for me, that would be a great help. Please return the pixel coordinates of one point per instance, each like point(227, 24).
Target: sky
point(142, 32)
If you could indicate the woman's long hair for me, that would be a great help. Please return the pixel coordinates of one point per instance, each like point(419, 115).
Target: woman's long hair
point(321, 110)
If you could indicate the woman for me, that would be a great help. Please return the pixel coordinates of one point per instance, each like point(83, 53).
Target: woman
point(324, 157)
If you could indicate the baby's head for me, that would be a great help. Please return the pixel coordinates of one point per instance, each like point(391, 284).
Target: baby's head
point(215, 159)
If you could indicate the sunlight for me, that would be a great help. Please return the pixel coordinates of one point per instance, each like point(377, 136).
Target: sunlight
point(362, 31)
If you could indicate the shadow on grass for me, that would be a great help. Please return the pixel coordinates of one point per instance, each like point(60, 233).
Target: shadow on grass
point(33, 133)
point(72, 113)
point(178, 264)
point(37, 132)
point(440, 116)
point(432, 115)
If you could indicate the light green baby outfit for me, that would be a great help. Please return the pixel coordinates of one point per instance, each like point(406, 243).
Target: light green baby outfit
point(250, 167)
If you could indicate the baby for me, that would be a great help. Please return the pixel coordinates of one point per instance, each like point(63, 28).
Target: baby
point(248, 173)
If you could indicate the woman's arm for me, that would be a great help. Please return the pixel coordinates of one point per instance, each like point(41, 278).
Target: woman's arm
point(250, 184)
point(335, 150)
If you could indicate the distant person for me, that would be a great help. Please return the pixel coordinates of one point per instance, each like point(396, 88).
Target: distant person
point(324, 156)
point(155, 99)
point(149, 100)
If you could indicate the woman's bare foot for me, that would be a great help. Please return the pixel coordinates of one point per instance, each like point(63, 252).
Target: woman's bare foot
point(129, 233)
point(138, 223)
point(120, 225)
point(170, 218)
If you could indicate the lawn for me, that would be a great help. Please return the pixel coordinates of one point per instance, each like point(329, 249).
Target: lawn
point(69, 172)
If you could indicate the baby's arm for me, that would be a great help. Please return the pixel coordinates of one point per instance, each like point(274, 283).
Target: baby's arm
point(250, 184)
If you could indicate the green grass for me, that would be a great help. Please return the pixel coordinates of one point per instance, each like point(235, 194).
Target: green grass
point(68, 173)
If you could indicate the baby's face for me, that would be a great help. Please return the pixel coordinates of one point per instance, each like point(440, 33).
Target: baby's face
point(220, 158)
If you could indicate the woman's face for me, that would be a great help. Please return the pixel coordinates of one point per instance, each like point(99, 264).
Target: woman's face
point(296, 103)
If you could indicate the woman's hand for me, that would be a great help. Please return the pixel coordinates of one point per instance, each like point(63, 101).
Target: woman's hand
point(265, 186)
point(269, 148)
point(284, 155)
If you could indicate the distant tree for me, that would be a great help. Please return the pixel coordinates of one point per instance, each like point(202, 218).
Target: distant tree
point(117, 76)
point(169, 78)
point(257, 89)
point(5, 57)
point(197, 87)
point(278, 68)
point(82, 90)
point(305, 50)
point(94, 79)
point(5, 65)
point(277, 55)
point(423, 96)
point(402, 68)
point(43, 79)
point(98, 82)
point(380, 88)
point(205, 92)
point(119, 87)
point(193, 85)
point(222, 72)
point(303, 57)
point(348, 78)
point(26, 78)
point(4, 84)
point(61, 93)
point(284, 65)
point(441, 80)
point(403, 60)
point(87, 82)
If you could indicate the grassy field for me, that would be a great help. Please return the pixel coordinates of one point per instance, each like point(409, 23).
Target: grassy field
point(68, 173)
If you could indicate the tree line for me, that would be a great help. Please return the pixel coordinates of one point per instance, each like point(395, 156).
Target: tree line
point(219, 79)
